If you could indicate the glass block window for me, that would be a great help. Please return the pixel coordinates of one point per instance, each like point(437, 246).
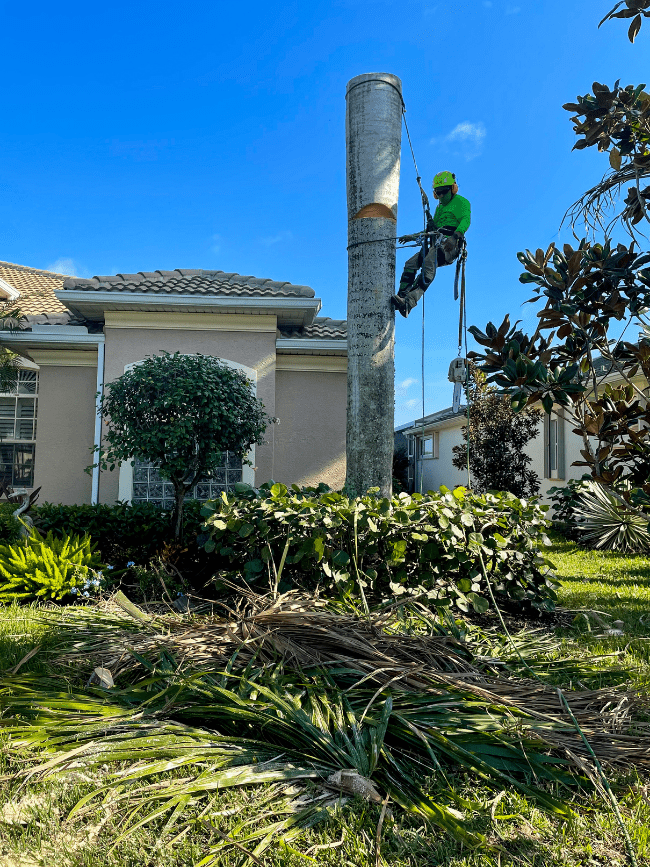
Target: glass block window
point(149, 487)
point(18, 412)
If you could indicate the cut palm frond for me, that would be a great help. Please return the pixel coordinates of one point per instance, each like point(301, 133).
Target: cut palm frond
point(289, 694)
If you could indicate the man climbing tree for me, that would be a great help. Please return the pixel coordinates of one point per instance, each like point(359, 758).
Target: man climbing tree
point(449, 222)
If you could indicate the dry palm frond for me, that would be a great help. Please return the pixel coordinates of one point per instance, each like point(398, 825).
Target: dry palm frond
point(285, 692)
point(302, 633)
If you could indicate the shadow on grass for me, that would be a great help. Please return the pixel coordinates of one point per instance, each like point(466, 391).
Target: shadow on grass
point(21, 631)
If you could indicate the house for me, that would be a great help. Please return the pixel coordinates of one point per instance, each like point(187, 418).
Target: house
point(429, 442)
point(80, 334)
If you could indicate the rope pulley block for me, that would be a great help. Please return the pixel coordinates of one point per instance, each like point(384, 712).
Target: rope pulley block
point(458, 375)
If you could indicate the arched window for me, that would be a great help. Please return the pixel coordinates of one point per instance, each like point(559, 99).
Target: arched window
point(140, 481)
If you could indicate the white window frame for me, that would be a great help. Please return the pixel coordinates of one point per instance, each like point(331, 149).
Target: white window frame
point(434, 438)
point(14, 441)
point(125, 481)
point(554, 447)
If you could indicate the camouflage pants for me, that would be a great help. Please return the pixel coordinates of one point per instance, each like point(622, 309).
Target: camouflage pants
point(412, 285)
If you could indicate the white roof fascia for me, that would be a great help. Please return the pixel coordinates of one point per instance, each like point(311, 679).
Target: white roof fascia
point(427, 427)
point(11, 292)
point(77, 300)
point(308, 344)
point(31, 339)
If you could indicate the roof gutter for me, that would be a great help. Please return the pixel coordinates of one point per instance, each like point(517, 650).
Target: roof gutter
point(308, 344)
point(46, 340)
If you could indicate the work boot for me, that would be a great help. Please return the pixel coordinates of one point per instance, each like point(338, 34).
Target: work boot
point(400, 304)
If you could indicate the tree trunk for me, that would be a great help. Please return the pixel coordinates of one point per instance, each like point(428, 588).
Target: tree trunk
point(180, 492)
point(373, 137)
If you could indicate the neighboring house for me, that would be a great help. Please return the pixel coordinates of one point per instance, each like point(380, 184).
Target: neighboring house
point(80, 334)
point(430, 440)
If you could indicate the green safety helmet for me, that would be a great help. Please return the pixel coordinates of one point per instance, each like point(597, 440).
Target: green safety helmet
point(444, 179)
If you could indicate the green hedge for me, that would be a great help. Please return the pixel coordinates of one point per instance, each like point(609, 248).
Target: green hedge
point(410, 544)
point(122, 532)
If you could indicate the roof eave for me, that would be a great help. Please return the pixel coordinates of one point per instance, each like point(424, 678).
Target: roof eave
point(311, 346)
point(25, 340)
point(93, 305)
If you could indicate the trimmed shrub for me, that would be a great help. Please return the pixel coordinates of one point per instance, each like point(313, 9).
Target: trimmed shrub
point(48, 568)
point(122, 532)
point(411, 544)
point(565, 499)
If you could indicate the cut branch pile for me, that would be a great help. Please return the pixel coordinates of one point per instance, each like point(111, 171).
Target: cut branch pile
point(318, 704)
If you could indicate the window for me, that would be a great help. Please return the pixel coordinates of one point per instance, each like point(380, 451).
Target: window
point(428, 446)
point(149, 487)
point(18, 411)
point(411, 446)
point(553, 447)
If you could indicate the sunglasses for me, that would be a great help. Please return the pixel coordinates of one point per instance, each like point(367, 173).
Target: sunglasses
point(441, 191)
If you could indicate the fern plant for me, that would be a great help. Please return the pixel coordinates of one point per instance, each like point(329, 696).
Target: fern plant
point(48, 568)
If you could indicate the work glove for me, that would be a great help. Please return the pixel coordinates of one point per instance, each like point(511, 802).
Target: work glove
point(459, 236)
point(406, 238)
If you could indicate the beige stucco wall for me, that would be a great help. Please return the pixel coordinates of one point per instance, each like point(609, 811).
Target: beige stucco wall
point(310, 438)
point(64, 433)
point(440, 471)
point(131, 338)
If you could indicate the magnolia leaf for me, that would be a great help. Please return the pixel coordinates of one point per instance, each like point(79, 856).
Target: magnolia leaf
point(615, 159)
point(635, 26)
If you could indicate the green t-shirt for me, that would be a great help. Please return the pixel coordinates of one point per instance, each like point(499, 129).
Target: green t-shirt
point(457, 215)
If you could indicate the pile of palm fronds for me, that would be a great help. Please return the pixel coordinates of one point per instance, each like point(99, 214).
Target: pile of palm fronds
point(317, 704)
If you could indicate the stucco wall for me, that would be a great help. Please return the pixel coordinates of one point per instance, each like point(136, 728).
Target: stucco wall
point(310, 438)
point(256, 349)
point(440, 471)
point(64, 433)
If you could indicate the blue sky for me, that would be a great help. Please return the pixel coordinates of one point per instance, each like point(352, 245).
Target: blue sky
point(138, 136)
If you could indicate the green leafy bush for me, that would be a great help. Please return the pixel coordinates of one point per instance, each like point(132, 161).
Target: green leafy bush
point(48, 568)
point(9, 526)
point(122, 532)
point(565, 499)
point(410, 544)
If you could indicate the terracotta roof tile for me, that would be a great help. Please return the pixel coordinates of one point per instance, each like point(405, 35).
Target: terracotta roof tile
point(36, 289)
point(185, 281)
point(322, 328)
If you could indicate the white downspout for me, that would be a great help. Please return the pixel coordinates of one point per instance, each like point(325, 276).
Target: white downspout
point(97, 440)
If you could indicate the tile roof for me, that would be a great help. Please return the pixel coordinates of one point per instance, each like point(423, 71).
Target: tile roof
point(322, 328)
point(36, 289)
point(190, 282)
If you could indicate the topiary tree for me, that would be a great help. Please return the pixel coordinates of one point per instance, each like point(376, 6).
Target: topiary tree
point(180, 412)
point(497, 438)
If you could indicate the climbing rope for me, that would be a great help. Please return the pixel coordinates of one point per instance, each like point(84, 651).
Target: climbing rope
point(460, 274)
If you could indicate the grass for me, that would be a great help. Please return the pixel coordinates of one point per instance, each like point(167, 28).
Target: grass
point(33, 813)
point(617, 584)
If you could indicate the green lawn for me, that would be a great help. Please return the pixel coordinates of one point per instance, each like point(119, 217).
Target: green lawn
point(34, 830)
point(617, 584)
